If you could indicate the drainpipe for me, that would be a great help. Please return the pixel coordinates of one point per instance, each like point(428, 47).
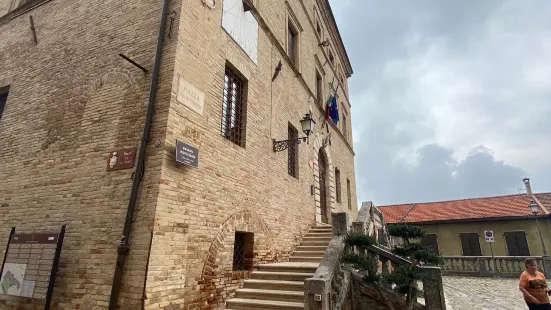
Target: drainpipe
point(123, 248)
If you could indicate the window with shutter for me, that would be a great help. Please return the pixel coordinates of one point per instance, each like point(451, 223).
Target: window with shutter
point(516, 243)
point(470, 244)
point(431, 241)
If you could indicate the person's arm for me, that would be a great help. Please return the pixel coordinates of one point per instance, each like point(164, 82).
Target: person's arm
point(522, 287)
point(527, 295)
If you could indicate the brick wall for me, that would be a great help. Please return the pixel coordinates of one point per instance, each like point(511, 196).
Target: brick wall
point(73, 100)
point(231, 181)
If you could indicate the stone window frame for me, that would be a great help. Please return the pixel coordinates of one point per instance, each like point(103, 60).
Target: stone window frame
point(292, 24)
point(319, 69)
point(338, 189)
point(345, 117)
point(318, 25)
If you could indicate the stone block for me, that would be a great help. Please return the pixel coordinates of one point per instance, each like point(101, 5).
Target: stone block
point(340, 223)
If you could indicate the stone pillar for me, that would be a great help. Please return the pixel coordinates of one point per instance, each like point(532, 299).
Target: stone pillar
point(340, 223)
point(546, 266)
point(317, 295)
point(434, 289)
point(359, 227)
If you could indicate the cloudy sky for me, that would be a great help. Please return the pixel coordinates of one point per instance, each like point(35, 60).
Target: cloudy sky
point(450, 99)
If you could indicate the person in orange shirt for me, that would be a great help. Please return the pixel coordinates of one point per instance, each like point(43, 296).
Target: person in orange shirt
point(534, 287)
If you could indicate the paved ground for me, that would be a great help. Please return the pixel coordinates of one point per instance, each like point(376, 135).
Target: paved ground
point(483, 293)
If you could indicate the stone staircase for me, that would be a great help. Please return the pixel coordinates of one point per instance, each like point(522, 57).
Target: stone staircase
point(280, 286)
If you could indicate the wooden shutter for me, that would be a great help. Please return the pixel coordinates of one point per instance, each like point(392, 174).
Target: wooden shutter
point(511, 242)
point(516, 243)
point(475, 245)
point(470, 244)
point(431, 241)
point(522, 244)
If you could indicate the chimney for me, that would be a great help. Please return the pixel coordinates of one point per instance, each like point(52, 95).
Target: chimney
point(527, 185)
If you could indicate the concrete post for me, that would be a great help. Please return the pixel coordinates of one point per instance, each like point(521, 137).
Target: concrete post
point(341, 223)
point(359, 227)
point(546, 265)
point(434, 289)
point(317, 295)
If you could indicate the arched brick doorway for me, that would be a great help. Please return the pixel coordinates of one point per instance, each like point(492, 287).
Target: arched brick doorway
point(322, 170)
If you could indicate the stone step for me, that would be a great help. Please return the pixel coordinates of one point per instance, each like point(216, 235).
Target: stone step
point(281, 276)
point(317, 234)
point(255, 304)
point(311, 248)
point(313, 259)
point(308, 253)
point(321, 229)
point(290, 267)
point(306, 239)
point(293, 296)
point(275, 285)
point(314, 243)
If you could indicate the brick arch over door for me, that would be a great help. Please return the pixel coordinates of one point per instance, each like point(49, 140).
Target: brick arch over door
point(214, 269)
point(319, 148)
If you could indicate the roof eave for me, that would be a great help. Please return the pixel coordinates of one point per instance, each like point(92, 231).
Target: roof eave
point(349, 70)
point(476, 220)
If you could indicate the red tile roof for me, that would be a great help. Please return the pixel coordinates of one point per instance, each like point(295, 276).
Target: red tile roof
point(465, 209)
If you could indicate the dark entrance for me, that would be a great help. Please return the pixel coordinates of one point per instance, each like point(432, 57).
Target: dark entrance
point(322, 168)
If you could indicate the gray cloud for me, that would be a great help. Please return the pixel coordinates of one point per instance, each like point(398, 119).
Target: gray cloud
point(450, 99)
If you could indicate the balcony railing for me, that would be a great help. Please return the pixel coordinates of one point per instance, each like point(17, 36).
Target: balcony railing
point(488, 266)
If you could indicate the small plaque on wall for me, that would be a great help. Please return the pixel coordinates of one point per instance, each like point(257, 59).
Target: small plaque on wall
point(190, 96)
point(187, 154)
point(121, 159)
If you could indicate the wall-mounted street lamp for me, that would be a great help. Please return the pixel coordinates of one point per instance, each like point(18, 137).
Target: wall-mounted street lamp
point(535, 208)
point(307, 124)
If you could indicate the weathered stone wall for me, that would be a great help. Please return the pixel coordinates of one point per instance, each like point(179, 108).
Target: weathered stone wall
point(72, 100)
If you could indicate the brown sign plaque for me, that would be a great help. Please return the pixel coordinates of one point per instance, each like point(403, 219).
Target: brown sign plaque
point(121, 159)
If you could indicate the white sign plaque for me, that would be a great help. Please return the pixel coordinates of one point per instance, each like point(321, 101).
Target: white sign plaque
point(190, 96)
point(489, 235)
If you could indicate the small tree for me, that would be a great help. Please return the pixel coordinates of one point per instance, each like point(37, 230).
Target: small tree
point(362, 261)
point(405, 277)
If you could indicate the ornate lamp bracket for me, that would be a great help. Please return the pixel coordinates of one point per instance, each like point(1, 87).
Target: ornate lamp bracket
point(282, 145)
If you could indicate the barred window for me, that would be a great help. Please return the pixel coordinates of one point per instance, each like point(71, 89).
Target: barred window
point(348, 194)
point(292, 158)
point(233, 107)
point(338, 184)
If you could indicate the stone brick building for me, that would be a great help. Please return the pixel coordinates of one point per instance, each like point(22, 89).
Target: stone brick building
point(226, 77)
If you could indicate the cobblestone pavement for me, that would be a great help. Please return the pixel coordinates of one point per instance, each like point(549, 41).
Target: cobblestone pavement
point(464, 293)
